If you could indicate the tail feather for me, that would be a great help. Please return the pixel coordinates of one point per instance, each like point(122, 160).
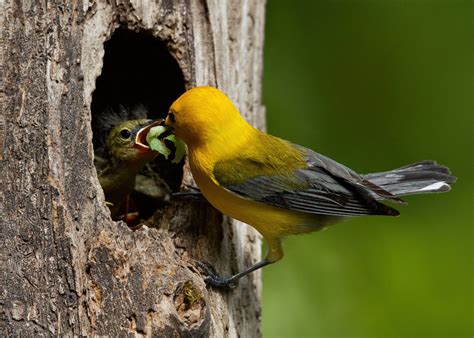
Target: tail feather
point(417, 178)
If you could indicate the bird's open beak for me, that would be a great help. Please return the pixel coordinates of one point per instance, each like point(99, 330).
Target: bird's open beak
point(140, 138)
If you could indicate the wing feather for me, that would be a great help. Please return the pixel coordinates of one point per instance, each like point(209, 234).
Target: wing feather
point(323, 187)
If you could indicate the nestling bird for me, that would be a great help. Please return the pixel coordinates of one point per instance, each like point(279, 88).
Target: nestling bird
point(125, 153)
point(278, 187)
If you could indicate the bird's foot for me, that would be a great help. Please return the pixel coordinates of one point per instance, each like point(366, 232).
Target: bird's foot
point(195, 195)
point(213, 278)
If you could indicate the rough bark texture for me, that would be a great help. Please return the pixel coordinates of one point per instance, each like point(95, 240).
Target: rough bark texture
point(66, 268)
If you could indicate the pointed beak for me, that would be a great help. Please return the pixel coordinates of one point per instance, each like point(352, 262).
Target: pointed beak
point(140, 138)
point(166, 133)
point(169, 128)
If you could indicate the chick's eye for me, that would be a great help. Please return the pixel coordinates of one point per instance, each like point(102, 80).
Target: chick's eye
point(125, 133)
point(172, 118)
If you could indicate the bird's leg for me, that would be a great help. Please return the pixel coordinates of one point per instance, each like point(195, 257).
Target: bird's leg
point(193, 193)
point(216, 280)
point(275, 253)
point(197, 195)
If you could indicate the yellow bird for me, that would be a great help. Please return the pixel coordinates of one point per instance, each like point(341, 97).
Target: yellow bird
point(278, 187)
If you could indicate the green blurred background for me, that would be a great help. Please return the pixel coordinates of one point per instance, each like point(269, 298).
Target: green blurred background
point(376, 85)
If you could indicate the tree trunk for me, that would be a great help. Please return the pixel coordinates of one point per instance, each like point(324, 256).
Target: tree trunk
point(67, 268)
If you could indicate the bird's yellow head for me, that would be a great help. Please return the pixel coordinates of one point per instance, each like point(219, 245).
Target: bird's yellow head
point(126, 141)
point(202, 114)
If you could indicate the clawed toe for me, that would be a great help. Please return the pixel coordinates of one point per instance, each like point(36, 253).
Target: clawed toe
point(213, 278)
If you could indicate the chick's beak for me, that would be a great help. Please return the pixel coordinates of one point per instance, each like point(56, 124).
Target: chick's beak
point(140, 138)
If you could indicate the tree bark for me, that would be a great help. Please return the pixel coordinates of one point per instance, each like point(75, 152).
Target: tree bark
point(67, 268)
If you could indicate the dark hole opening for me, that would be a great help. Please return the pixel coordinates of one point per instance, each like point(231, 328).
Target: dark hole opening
point(139, 79)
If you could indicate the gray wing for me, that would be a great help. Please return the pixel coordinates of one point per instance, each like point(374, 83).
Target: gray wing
point(324, 187)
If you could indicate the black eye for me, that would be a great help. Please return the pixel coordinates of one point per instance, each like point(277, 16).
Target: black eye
point(172, 118)
point(125, 133)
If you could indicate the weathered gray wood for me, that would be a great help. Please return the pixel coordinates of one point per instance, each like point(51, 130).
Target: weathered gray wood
point(66, 268)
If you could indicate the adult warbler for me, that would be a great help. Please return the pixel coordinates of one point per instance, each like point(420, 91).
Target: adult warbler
point(278, 187)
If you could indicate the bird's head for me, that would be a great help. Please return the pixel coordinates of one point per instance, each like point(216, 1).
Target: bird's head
point(126, 141)
point(202, 114)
